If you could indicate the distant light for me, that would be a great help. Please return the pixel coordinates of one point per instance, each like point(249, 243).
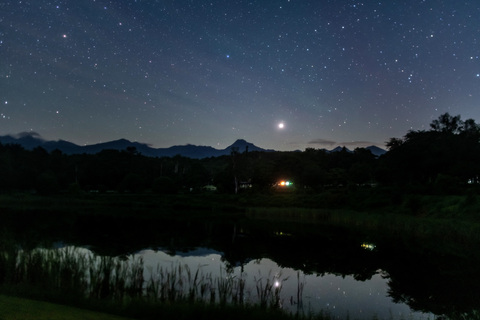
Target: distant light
point(368, 246)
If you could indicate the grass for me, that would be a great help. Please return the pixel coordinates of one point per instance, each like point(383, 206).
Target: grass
point(366, 200)
point(16, 308)
point(72, 277)
point(13, 308)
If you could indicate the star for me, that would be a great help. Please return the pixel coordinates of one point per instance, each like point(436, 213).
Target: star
point(246, 62)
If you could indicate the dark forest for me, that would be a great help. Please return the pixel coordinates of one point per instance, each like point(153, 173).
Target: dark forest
point(442, 160)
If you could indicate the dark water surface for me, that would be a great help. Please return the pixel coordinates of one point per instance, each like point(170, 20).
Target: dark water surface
point(344, 271)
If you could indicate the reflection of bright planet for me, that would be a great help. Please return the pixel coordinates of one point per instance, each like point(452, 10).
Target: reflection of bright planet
point(281, 125)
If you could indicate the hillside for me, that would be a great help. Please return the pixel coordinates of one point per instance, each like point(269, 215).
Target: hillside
point(31, 141)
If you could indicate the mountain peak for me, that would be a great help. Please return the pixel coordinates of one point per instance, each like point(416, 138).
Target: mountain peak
point(31, 140)
point(340, 149)
point(241, 145)
point(240, 141)
point(376, 151)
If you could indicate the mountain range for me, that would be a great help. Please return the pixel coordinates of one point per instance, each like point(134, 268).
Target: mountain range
point(30, 141)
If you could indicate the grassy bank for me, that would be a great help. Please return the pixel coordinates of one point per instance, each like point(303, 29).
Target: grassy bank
point(382, 200)
point(13, 308)
point(454, 218)
point(442, 234)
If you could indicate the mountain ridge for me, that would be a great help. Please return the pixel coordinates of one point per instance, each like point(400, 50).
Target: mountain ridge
point(34, 140)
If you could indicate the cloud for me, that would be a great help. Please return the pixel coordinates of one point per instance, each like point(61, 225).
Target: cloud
point(322, 142)
point(25, 134)
point(358, 144)
point(348, 144)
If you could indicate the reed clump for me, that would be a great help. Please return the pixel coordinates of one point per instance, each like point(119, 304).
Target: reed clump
point(81, 277)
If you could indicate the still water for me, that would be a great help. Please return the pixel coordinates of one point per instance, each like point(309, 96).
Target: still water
point(339, 296)
point(345, 272)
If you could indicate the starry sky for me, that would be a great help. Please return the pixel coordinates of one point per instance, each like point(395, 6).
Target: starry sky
point(284, 75)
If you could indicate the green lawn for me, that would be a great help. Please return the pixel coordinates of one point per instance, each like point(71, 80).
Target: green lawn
point(12, 308)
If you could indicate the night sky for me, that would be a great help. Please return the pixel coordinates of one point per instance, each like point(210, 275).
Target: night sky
point(210, 72)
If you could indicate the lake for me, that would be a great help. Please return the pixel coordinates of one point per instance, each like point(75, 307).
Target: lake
point(341, 271)
point(338, 295)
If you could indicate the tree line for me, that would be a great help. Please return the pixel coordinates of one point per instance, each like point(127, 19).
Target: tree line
point(444, 159)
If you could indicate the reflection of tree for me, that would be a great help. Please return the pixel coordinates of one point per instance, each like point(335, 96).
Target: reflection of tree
point(426, 281)
point(432, 283)
point(297, 248)
point(437, 283)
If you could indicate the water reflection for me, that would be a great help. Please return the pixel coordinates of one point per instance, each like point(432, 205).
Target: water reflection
point(343, 269)
point(340, 296)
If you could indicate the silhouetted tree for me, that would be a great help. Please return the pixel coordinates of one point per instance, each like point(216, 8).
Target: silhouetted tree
point(47, 183)
point(449, 153)
point(447, 123)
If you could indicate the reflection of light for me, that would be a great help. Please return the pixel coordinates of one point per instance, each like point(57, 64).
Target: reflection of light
point(368, 246)
point(277, 283)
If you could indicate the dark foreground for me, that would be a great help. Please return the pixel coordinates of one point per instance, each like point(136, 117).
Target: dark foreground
point(444, 227)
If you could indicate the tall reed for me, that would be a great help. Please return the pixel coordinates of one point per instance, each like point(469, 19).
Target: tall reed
point(81, 274)
point(269, 292)
point(300, 287)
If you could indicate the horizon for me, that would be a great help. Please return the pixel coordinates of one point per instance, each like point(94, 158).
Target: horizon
point(37, 136)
